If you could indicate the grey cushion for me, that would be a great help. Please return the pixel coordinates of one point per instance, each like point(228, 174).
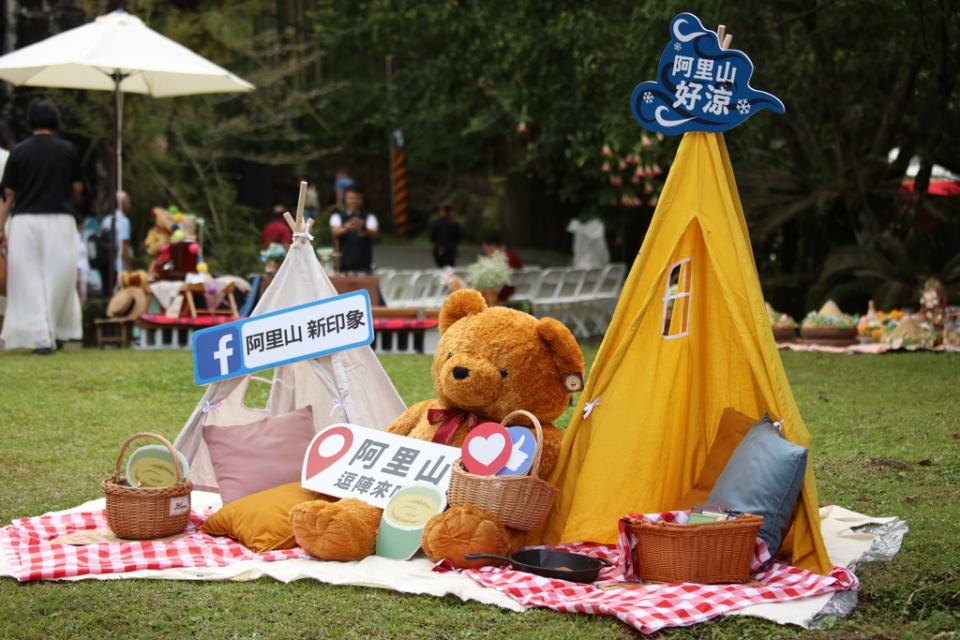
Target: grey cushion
point(763, 477)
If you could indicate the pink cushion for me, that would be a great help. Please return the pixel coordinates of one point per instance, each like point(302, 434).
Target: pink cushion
point(261, 455)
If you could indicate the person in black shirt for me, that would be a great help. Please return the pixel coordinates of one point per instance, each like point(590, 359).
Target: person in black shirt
point(40, 181)
point(445, 237)
point(353, 233)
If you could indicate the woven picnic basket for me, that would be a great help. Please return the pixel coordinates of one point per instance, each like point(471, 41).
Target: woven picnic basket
point(144, 513)
point(519, 502)
point(709, 553)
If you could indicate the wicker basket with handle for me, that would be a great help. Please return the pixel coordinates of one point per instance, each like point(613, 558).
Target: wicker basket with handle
point(709, 553)
point(519, 502)
point(144, 513)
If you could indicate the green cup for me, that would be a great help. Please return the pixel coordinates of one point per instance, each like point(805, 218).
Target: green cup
point(403, 520)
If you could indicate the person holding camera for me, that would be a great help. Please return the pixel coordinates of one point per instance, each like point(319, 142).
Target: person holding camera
point(353, 232)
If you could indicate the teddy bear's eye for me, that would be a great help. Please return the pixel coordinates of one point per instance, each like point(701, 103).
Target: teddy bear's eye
point(503, 373)
point(449, 355)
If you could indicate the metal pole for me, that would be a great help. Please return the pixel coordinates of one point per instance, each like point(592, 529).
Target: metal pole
point(113, 277)
point(117, 78)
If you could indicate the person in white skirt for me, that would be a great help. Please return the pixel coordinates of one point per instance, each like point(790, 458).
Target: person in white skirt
point(40, 182)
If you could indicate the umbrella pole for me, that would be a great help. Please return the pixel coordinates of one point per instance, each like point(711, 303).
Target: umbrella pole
point(117, 78)
point(116, 243)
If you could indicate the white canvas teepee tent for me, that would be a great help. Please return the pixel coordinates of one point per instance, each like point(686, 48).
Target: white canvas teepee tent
point(348, 386)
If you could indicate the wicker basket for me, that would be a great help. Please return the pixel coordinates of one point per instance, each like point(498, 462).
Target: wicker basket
point(144, 513)
point(710, 553)
point(519, 502)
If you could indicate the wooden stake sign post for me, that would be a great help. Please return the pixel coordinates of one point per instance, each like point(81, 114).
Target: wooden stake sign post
point(299, 226)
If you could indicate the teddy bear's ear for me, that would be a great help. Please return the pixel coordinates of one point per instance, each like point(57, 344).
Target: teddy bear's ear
point(460, 304)
point(566, 351)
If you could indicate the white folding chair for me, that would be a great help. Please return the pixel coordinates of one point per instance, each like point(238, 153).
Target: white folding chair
point(565, 303)
point(581, 309)
point(606, 295)
point(422, 290)
point(551, 280)
point(526, 283)
point(436, 292)
point(384, 276)
point(401, 285)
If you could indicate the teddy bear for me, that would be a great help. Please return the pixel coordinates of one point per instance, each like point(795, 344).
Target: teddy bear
point(138, 278)
point(488, 362)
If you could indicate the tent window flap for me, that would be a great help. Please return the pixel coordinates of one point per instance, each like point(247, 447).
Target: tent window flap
point(677, 297)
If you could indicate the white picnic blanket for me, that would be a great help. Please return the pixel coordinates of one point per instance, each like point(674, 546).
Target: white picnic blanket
point(848, 544)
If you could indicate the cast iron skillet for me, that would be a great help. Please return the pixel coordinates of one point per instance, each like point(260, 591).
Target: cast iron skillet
point(575, 567)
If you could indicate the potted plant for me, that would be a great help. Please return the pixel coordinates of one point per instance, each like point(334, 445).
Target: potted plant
point(876, 324)
point(829, 326)
point(783, 325)
point(489, 274)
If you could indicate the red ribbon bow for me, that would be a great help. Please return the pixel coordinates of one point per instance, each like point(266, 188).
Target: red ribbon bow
point(449, 420)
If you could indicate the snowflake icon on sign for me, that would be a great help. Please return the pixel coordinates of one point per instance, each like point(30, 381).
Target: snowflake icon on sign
point(743, 106)
point(677, 46)
point(647, 97)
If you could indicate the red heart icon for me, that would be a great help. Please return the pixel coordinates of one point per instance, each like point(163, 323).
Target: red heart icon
point(325, 441)
point(486, 449)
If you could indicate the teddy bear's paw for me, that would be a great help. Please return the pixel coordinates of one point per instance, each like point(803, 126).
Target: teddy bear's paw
point(516, 540)
point(344, 530)
point(464, 529)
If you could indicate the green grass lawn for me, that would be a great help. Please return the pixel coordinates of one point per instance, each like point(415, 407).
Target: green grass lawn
point(886, 436)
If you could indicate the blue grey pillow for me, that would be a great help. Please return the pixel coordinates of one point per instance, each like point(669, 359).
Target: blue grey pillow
point(763, 477)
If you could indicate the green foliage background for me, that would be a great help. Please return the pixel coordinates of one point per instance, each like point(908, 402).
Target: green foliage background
point(505, 105)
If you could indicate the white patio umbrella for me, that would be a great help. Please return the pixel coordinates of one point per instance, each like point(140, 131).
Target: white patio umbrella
point(117, 52)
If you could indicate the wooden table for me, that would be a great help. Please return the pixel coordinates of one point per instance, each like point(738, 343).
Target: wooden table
point(189, 290)
point(346, 284)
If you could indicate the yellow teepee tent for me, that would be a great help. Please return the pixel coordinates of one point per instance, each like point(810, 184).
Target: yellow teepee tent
point(688, 357)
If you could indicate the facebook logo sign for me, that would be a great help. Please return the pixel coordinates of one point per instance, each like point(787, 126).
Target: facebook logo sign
point(217, 353)
point(281, 337)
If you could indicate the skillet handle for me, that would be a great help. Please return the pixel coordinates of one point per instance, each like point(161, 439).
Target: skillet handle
point(486, 556)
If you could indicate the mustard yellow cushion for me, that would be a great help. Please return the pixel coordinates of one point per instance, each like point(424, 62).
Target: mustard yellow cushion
point(260, 521)
point(733, 427)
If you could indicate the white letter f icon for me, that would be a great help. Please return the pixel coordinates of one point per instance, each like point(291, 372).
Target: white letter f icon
point(223, 352)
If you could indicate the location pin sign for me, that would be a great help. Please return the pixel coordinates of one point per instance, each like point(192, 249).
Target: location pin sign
point(522, 451)
point(486, 449)
point(327, 447)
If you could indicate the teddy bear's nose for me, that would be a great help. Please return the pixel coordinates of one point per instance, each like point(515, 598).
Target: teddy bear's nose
point(459, 373)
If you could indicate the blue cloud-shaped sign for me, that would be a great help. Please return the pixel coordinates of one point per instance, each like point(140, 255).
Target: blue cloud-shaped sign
point(700, 86)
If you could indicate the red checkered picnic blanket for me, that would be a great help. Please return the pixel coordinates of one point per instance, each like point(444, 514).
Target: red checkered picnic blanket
point(34, 554)
point(651, 607)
